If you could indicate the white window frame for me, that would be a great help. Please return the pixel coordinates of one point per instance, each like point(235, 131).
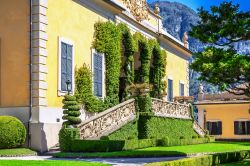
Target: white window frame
point(103, 73)
point(70, 42)
point(181, 82)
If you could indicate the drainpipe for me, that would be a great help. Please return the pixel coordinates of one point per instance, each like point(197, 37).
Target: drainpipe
point(30, 78)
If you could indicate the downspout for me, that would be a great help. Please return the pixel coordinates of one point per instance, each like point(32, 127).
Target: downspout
point(30, 78)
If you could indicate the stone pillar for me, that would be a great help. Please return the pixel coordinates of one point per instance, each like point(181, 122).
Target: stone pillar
point(39, 138)
point(39, 56)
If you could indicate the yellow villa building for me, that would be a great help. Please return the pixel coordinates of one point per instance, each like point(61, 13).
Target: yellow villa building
point(36, 34)
point(225, 115)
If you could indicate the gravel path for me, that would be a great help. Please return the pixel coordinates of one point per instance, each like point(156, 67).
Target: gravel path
point(112, 161)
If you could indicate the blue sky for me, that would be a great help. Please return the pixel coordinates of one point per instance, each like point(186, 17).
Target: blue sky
point(194, 4)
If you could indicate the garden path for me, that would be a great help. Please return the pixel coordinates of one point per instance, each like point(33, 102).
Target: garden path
point(112, 161)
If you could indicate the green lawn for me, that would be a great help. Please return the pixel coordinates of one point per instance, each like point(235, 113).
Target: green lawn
point(242, 163)
point(16, 152)
point(168, 151)
point(48, 163)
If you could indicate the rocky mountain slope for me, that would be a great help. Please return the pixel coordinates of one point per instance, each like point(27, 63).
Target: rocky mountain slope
point(179, 18)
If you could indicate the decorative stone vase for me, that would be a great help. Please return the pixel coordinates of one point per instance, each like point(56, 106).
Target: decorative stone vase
point(140, 89)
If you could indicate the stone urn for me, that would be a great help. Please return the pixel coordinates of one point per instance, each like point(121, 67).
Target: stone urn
point(141, 89)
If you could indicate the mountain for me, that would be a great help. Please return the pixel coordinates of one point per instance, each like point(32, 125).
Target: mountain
point(178, 18)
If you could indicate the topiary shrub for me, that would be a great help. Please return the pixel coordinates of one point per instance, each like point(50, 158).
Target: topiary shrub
point(71, 111)
point(66, 136)
point(12, 132)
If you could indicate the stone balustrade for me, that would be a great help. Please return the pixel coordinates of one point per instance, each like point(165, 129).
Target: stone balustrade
point(199, 130)
point(108, 121)
point(170, 109)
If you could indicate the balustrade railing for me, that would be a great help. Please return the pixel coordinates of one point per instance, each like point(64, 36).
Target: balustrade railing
point(108, 121)
point(199, 130)
point(170, 109)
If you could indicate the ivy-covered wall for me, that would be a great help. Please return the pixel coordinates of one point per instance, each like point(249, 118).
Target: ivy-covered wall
point(157, 127)
point(117, 43)
point(108, 41)
point(128, 49)
point(128, 131)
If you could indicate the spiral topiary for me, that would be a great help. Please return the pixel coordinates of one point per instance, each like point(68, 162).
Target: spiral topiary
point(12, 132)
point(71, 111)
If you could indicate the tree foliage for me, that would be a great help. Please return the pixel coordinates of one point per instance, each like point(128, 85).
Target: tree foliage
point(219, 63)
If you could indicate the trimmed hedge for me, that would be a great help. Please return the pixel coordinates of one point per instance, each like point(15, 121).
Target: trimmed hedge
point(177, 142)
point(208, 160)
point(96, 145)
point(127, 132)
point(66, 137)
point(78, 145)
point(172, 128)
point(74, 144)
point(12, 132)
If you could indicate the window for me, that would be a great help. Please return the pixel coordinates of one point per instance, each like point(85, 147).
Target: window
point(98, 73)
point(242, 127)
point(66, 60)
point(170, 90)
point(181, 89)
point(214, 128)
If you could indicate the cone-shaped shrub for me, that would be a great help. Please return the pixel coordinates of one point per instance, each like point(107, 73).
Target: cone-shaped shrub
point(71, 110)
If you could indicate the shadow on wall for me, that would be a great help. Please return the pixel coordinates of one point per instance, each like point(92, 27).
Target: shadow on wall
point(44, 147)
point(38, 137)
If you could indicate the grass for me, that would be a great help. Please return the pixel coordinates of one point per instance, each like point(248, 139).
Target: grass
point(167, 151)
point(242, 163)
point(16, 152)
point(48, 163)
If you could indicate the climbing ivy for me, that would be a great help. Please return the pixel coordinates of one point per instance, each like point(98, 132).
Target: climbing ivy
point(108, 41)
point(142, 47)
point(84, 91)
point(128, 44)
point(158, 69)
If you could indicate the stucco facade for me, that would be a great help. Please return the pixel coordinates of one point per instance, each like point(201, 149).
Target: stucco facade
point(71, 21)
point(228, 113)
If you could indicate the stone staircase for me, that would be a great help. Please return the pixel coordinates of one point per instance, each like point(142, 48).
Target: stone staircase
point(199, 130)
point(108, 121)
point(114, 118)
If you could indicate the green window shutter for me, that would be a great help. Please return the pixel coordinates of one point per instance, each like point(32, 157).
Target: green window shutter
point(248, 127)
point(219, 128)
point(236, 127)
point(209, 127)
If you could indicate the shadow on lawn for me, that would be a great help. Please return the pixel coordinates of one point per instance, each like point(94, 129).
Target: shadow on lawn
point(238, 143)
point(244, 162)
